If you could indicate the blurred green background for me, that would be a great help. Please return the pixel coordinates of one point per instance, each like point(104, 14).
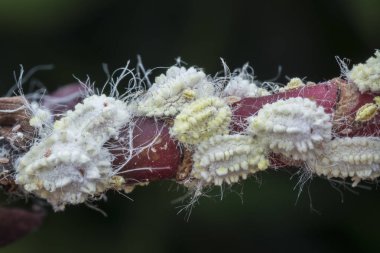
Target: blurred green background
point(263, 215)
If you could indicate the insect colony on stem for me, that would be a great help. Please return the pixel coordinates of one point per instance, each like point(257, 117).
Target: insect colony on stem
point(72, 160)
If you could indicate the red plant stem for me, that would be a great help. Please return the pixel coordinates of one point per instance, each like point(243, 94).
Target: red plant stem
point(159, 160)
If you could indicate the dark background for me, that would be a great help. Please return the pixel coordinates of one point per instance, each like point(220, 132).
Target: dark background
point(262, 215)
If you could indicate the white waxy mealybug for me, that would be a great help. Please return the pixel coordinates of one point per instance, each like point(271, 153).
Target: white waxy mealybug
point(295, 127)
point(201, 119)
point(367, 76)
point(70, 164)
point(172, 91)
point(357, 158)
point(242, 88)
point(227, 158)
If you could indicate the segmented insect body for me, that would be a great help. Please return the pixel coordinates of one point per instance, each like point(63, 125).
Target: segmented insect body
point(201, 119)
point(357, 158)
point(226, 158)
point(367, 76)
point(70, 164)
point(295, 127)
point(366, 112)
point(172, 91)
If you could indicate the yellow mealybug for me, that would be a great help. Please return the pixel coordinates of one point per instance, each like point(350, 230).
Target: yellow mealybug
point(366, 112)
point(202, 119)
point(293, 83)
point(377, 100)
point(189, 94)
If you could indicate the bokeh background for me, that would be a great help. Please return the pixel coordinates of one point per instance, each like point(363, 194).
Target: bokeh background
point(262, 215)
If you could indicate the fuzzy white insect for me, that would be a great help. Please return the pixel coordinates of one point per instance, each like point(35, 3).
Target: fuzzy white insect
point(295, 127)
point(71, 164)
point(201, 119)
point(170, 92)
point(357, 158)
point(367, 76)
point(227, 158)
point(242, 87)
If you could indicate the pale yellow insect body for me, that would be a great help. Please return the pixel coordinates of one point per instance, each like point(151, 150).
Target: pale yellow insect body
point(202, 119)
